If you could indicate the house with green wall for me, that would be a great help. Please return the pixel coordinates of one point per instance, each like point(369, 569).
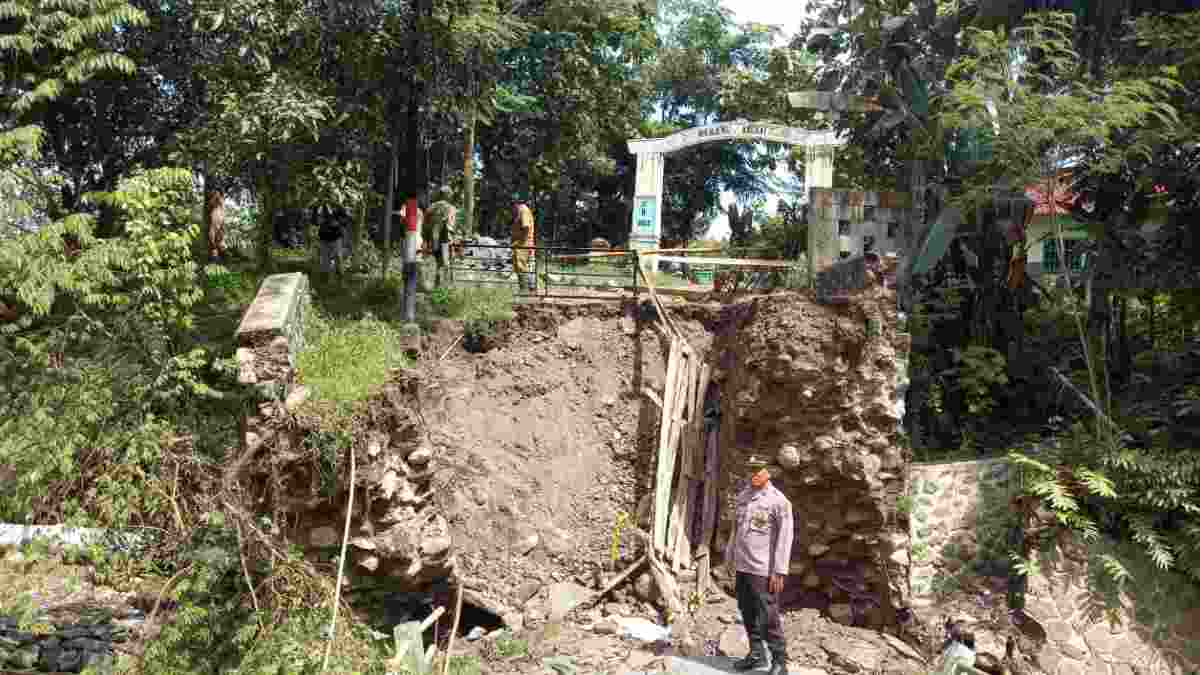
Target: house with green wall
point(1053, 204)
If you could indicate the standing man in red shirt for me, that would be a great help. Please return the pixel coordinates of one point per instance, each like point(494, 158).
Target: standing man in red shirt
point(759, 552)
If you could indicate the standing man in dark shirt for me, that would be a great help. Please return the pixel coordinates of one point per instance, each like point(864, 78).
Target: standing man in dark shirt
point(759, 552)
point(330, 230)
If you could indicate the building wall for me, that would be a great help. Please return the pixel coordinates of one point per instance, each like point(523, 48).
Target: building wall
point(841, 220)
point(1042, 229)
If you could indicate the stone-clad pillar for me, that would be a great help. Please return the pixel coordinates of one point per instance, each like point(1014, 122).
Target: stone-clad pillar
point(646, 227)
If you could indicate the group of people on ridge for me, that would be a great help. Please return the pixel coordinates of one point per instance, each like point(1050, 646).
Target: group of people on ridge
point(443, 235)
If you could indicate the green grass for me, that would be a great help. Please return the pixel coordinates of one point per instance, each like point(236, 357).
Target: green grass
point(668, 280)
point(346, 360)
point(508, 646)
point(465, 665)
point(469, 303)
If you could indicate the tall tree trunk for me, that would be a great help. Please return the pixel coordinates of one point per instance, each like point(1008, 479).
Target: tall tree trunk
point(357, 234)
point(468, 198)
point(201, 244)
point(491, 177)
point(390, 207)
point(416, 178)
point(1125, 358)
point(266, 223)
point(1099, 323)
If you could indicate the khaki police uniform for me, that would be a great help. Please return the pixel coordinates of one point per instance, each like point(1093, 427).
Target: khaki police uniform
point(761, 545)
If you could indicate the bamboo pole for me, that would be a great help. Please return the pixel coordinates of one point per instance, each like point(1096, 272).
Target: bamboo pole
point(681, 551)
point(337, 593)
point(679, 501)
point(662, 310)
point(662, 485)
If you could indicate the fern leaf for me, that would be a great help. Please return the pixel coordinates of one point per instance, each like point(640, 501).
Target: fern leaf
point(1144, 533)
point(1096, 483)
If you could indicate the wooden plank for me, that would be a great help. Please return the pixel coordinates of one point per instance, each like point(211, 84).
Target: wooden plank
point(709, 514)
point(662, 480)
point(667, 587)
point(688, 512)
point(702, 383)
point(688, 466)
point(678, 503)
point(649, 393)
point(693, 458)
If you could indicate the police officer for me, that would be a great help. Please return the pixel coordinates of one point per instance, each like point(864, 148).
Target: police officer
point(758, 553)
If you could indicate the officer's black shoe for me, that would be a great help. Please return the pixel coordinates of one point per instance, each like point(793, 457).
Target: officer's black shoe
point(755, 659)
point(778, 665)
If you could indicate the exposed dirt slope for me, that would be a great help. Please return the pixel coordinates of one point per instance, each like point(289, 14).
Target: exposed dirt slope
point(541, 442)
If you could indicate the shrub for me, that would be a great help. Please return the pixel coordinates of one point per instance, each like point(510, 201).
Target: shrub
point(101, 357)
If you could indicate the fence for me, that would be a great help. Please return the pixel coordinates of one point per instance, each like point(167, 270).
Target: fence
point(600, 273)
point(559, 271)
point(741, 268)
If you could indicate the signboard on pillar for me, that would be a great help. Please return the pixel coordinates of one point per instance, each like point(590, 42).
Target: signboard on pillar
point(644, 217)
point(644, 236)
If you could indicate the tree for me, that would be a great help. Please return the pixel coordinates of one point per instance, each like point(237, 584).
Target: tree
point(710, 69)
point(53, 47)
point(572, 95)
point(90, 350)
point(1044, 110)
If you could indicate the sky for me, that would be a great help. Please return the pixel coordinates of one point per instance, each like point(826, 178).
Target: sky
point(787, 14)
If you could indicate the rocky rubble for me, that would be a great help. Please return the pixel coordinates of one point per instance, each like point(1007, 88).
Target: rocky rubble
point(813, 386)
point(303, 478)
point(66, 649)
point(833, 648)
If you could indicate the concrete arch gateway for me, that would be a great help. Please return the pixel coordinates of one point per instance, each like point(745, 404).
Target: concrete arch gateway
point(646, 228)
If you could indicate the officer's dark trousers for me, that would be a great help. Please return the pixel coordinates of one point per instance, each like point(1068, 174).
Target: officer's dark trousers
point(760, 614)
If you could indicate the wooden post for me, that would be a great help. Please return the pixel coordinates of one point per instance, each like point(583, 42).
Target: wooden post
point(709, 515)
point(678, 547)
point(666, 458)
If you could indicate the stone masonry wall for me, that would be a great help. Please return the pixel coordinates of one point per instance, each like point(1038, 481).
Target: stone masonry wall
point(1157, 629)
point(959, 523)
point(58, 649)
point(813, 386)
point(299, 472)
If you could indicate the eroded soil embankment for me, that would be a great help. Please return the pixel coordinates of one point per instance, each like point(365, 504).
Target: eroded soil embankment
point(544, 440)
point(512, 466)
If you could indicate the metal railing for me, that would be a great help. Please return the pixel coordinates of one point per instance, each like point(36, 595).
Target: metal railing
point(577, 272)
point(772, 272)
point(557, 271)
